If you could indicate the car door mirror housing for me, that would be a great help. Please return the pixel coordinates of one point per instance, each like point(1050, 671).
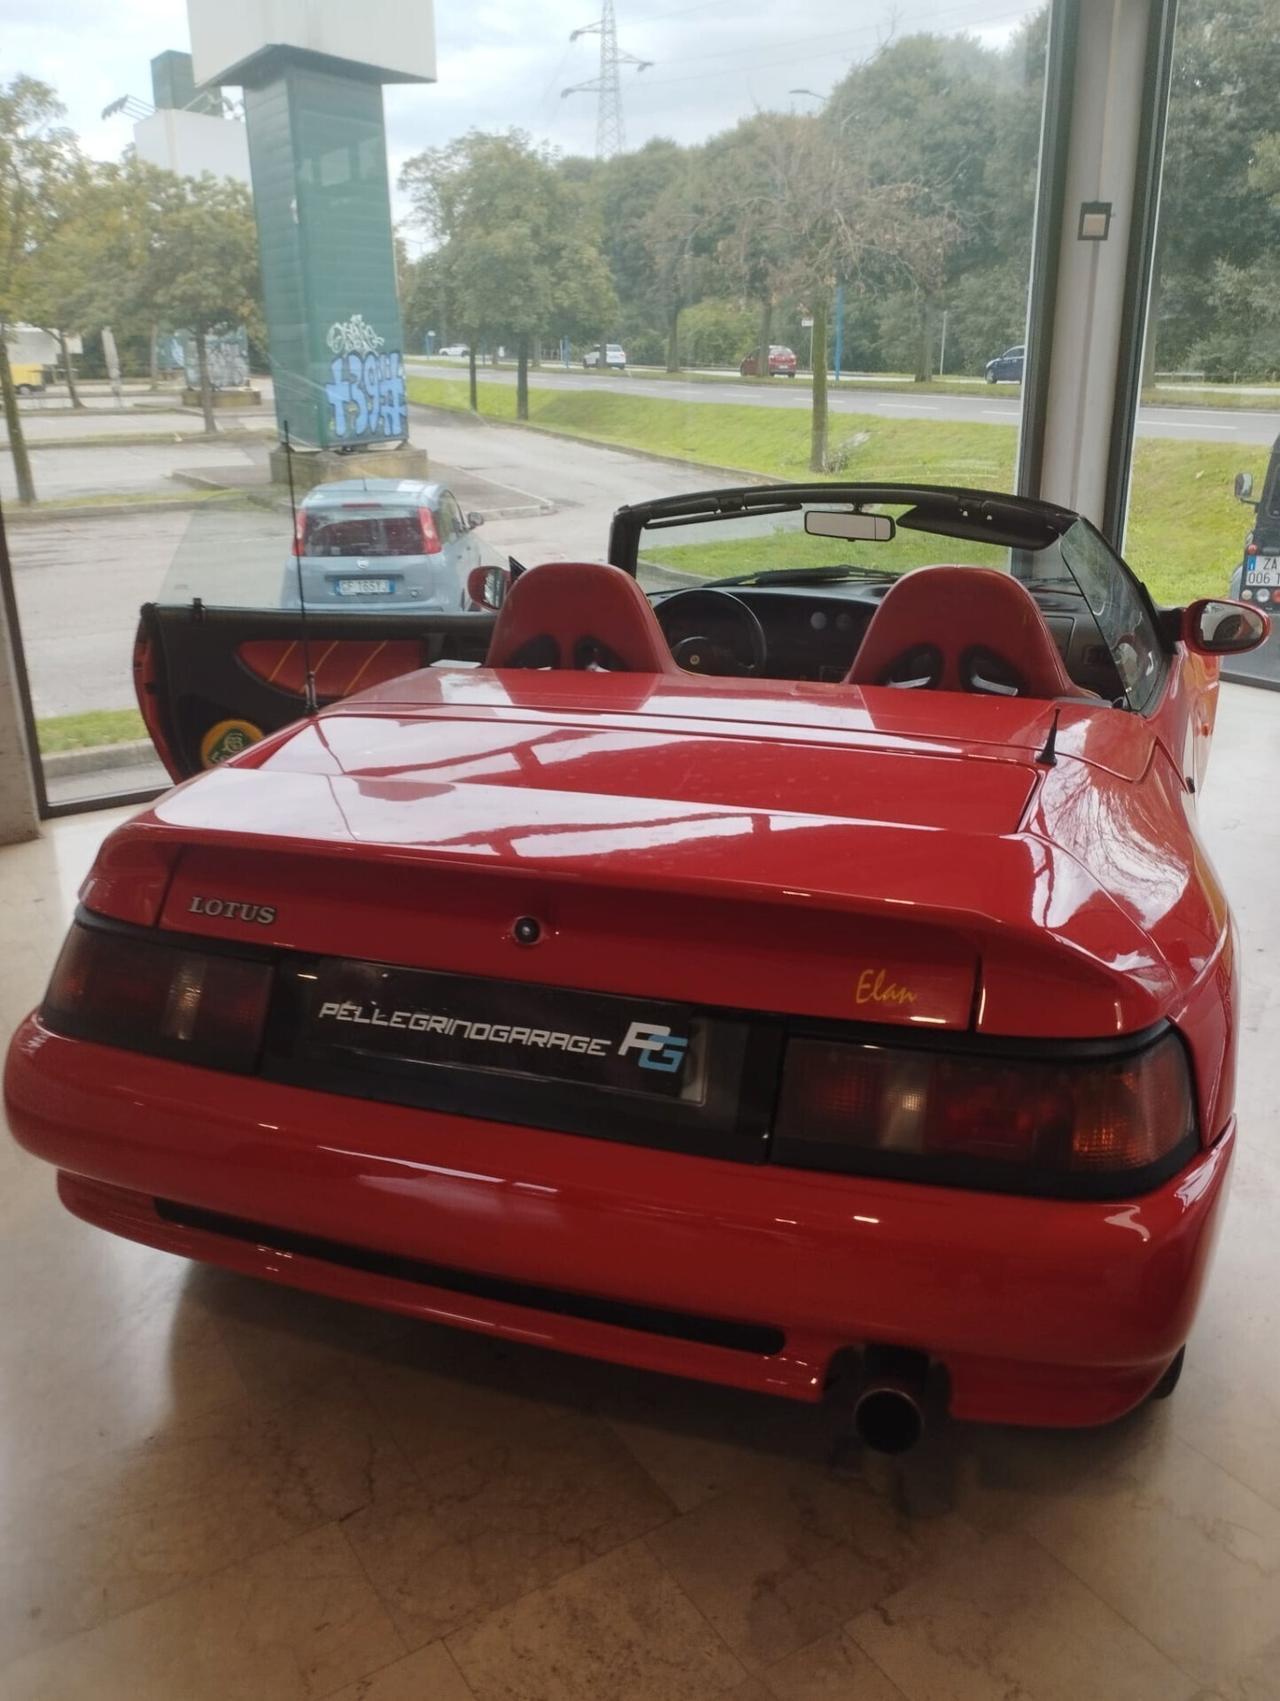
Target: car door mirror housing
point(1244, 487)
point(1214, 627)
point(487, 587)
point(474, 520)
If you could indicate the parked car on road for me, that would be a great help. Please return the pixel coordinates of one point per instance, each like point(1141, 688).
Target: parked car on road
point(455, 351)
point(382, 543)
point(615, 356)
point(1007, 365)
point(782, 363)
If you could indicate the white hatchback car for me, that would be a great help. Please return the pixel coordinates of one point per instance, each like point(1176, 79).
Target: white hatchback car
point(615, 356)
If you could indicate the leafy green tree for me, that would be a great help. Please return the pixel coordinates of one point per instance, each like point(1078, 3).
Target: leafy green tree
point(200, 271)
point(37, 157)
point(517, 245)
point(1218, 201)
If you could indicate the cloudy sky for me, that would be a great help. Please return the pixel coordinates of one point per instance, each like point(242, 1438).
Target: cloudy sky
point(505, 62)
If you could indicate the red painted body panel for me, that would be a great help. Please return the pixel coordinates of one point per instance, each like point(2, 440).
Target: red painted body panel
point(997, 1288)
point(751, 844)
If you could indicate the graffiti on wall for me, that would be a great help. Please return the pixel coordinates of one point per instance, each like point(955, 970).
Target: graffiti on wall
point(366, 391)
point(227, 355)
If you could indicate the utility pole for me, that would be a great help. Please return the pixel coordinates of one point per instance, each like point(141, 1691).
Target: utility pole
point(610, 133)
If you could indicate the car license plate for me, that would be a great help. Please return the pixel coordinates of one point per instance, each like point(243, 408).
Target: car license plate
point(365, 587)
point(1262, 571)
point(439, 1021)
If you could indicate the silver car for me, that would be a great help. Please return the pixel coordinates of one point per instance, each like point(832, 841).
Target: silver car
point(382, 543)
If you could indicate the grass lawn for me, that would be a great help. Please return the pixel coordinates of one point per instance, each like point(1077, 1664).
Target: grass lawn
point(84, 732)
point(1185, 532)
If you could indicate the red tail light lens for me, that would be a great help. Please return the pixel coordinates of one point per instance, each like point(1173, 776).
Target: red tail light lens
point(1093, 1125)
point(431, 544)
point(144, 995)
point(299, 531)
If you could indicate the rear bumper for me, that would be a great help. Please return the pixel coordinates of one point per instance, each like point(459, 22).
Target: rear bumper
point(1042, 1311)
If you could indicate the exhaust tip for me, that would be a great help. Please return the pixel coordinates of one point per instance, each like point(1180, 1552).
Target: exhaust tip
point(888, 1420)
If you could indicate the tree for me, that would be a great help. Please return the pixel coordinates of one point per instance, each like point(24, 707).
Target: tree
point(201, 266)
point(37, 155)
point(517, 244)
point(1216, 199)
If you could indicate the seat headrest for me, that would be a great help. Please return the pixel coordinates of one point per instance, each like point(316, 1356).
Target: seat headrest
point(962, 629)
point(578, 614)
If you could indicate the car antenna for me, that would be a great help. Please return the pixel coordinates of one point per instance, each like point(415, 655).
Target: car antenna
point(309, 678)
point(1047, 755)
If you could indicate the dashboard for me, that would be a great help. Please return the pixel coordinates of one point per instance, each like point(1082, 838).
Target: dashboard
point(815, 634)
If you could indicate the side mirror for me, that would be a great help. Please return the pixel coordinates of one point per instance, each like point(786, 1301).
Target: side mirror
point(474, 520)
point(1218, 628)
point(1244, 487)
point(487, 587)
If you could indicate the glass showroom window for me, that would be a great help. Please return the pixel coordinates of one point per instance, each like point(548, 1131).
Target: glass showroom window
point(796, 245)
point(1210, 409)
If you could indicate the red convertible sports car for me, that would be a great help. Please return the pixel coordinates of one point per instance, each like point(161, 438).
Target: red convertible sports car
point(782, 957)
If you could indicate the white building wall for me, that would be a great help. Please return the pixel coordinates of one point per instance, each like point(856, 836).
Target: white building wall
point(192, 143)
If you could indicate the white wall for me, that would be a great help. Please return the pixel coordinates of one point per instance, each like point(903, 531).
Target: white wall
point(192, 143)
point(397, 37)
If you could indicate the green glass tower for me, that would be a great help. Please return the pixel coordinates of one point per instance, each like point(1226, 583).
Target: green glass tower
point(318, 156)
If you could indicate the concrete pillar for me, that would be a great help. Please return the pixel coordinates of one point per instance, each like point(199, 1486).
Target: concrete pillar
point(19, 818)
point(1101, 153)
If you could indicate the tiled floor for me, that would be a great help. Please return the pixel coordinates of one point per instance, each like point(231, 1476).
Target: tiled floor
point(216, 1491)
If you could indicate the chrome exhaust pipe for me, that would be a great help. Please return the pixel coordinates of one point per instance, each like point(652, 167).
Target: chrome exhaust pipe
point(888, 1417)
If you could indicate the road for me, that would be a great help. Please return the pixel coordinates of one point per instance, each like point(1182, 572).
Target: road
point(990, 405)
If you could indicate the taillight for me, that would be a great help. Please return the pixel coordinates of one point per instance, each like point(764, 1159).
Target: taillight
point(145, 995)
point(1087, 1126)
point(431, 544)
point(299, 530)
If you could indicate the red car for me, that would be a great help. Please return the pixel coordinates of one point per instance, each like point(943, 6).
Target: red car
point(782, 363)
point(805, 979)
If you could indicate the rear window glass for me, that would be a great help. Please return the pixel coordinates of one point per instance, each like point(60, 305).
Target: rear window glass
point(363, 534)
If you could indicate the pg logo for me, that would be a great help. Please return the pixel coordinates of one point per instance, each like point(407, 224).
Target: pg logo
point(659, 1048)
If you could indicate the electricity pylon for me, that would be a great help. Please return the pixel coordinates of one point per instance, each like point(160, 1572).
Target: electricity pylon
point(610, 135)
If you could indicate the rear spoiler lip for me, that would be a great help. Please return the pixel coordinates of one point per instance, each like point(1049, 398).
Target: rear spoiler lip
point(1005, 862)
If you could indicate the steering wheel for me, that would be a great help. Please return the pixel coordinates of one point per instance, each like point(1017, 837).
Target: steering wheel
point(712, 632)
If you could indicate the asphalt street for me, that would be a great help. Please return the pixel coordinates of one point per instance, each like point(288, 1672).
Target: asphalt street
point(995, 404)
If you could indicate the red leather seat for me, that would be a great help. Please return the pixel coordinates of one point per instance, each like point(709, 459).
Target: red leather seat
point(962, 629)
point(579, 614)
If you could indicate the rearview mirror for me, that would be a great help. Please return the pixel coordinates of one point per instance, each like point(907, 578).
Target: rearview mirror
point(474, 520)
point(1218, 628)
point(487, 587)
point(866, 528)
point(1244, 487)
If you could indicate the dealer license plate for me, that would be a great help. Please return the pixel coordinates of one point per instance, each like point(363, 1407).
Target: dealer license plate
point(365, 587)
point(1262, 572)
point(456, 1022)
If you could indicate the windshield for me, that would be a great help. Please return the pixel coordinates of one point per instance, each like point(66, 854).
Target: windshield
point(1076, 571)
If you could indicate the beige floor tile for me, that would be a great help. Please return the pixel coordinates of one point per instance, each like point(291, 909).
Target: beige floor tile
point(1001, 1618)
point(284, 1342)
point(444, 1393)
point(1233, 1424)
point(505, 1519)
point(429, 1674)
point(778, 1564)
point(100, 1342)
point(617, 1630)
point(292, 1625)
point(1186, 1552)
point(121, 1529)
point(832, 1669)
